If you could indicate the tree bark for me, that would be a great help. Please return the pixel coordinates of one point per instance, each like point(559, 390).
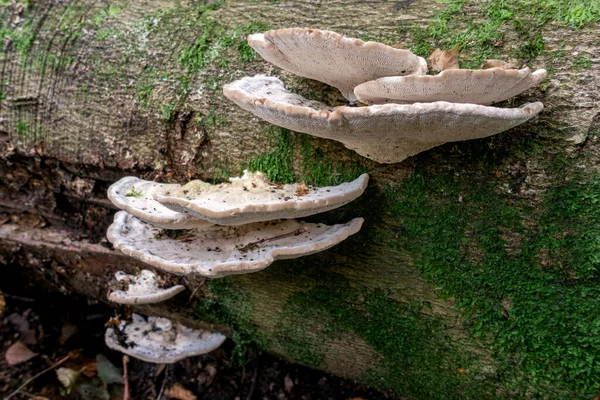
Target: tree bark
point(93, 91)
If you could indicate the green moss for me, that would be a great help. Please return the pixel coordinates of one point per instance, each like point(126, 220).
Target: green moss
point(234, 308)
point(582, 62)
point(315, 167)
point(478, 28)
point(531, 292)
point(277, 163)
point(23, 129)
point(167, 112)
point(417, 357)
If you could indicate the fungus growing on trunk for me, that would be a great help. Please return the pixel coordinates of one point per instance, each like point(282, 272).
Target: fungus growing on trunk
point(484, 86)
point(224, 250)
point(156, 340)
point(386, 133)
point(136, 196)
point(252, 198)
point(144, 288)
point(334, 59)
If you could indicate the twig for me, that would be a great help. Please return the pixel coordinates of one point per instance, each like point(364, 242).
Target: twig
point(253, 385)
point(197, 288)
point(162, 388)
point(253, 245)
point(50, 368)
point(125, 378)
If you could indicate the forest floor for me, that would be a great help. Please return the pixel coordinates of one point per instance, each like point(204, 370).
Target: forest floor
point(64, 336)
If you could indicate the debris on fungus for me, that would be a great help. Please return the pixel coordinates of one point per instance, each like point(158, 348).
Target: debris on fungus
point(224, 250)
point(442, 60)
point(252, 198)
point(136, 196)
point(145, 288)
point(158, 340)
point(334, 59)
point(386, 133)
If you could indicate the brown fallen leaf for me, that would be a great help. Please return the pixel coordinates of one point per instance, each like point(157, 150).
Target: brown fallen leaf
point(90, 368)
point(442, 59)
point(301, 189)
point(288, 384)
point(2, 306)
point(18, 353)
point(178, 392)
point(498, 64)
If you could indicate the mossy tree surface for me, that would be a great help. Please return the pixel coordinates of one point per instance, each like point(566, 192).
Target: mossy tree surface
point(476, 274)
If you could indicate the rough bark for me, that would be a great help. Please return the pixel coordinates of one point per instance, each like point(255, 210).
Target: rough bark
point(93, 91)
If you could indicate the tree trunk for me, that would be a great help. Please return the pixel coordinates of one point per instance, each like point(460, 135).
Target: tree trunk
point(476, 273)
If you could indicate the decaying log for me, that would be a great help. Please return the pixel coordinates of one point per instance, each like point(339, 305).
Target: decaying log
point(93, 91)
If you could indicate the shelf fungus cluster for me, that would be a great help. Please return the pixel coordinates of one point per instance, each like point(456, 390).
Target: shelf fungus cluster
point(211, 230)
point(401, 111)
point(236, 227)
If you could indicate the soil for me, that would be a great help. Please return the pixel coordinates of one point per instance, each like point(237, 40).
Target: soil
point(55, 326)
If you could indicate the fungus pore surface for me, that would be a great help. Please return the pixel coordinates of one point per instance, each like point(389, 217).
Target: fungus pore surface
point(156, 340)
point(252, 198)
point(386, 133)
point(224, 250)
point(334, 59)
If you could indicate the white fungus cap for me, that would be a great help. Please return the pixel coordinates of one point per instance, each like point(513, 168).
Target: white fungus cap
point(334, 59)
point(136, 196)
point(224, 250)
point(252, 198)
point(484, 86)
point(386, 133)
point(157, 340)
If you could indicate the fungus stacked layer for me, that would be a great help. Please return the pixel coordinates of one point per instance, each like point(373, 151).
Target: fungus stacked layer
point(211, 230)
point(407, 111)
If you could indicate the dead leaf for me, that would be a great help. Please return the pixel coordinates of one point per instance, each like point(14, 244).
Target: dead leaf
point(68, 329)
point(21, 322)
point(18, 353)
point(178, 392)
point(498, 64)
point(288, 384)
point(90, 369)
point(107, 371)
point(301, 189)
point(212, 372)
point(67, 377)
point(113, 321)
point(2, 306)
point(442, 60)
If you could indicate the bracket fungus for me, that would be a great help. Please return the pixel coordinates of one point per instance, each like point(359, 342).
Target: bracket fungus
point(136, 196)
point(156, 340)
point(144, 288)
point(485, 86)
point(386, 133)
point(224, 250)
point(334, 59)
point(252, 198)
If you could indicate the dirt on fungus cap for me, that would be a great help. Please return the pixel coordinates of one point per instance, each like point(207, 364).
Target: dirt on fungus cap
point(252, 198)
point(224, 250)
point(157, 340)
point(386, 133)
point(334, 59)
